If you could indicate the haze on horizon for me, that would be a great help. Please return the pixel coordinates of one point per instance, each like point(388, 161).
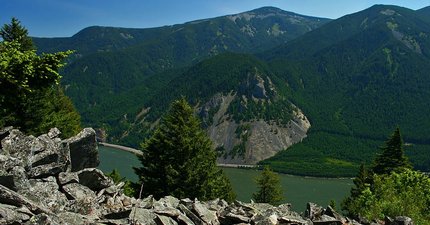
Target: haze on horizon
point(63, 18)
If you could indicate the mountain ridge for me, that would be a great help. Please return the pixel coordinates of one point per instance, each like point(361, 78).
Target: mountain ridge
point(352, 78)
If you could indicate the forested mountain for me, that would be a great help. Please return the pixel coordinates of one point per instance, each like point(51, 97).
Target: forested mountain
point(237, 96)
point(363, 75)
point(425, 13)
point(111, 60)
point(353, 79)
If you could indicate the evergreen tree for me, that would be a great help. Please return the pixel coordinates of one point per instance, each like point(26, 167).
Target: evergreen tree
point(392, 157)
point(270, 190)
point(361, 182)
point(15, 32)
point(179, 159)
point(30, 96)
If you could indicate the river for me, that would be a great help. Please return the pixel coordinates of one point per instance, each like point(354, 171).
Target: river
point(297, 190)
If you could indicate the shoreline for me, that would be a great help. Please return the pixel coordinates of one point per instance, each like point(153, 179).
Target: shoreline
point(122, 148)
point(223, 165)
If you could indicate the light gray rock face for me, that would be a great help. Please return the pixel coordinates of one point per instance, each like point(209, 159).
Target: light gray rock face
point(52, 194)
point(83, 150)
point(45, 192)
point(264, 138)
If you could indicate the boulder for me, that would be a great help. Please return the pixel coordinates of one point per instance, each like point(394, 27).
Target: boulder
point(208, 216)
point(142, 216)
point(10, 197)
point(40, 157)
point(14, 178)
point(166, 202)
point(402, 220)
point(313, 211)
point(164, 220)
point(94, 179)
point(4, 132)
point(50, 160)
point(67, 178)
point(83, 150)
point(16, 144)
point(79, 192)
point(45, 193)
point(12, 214)
point(196, 220)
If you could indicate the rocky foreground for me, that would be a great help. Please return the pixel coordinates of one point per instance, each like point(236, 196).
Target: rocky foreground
point(46, 180)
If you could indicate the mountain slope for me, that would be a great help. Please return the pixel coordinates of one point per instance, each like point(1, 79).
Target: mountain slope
point(109, 61)
point(244, 109)
point(424, 13)
point(365, 74)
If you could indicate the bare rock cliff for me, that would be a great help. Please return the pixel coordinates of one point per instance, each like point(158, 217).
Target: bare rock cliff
point(252, 141)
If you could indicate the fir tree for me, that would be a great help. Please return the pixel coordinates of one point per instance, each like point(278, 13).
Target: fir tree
point(270, 190)
point(392, 157)
point(361, 181)
point(179, 159)
point(15, 32)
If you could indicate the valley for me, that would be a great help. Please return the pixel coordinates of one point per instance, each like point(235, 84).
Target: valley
point(305, 95)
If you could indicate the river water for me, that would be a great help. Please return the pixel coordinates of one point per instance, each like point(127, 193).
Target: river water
point(297, 190)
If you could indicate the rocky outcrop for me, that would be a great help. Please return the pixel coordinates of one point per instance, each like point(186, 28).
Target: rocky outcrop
point(58, 195)
point(263, 138)
point(83, 150)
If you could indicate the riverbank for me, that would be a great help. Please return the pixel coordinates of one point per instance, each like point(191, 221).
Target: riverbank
point(297, 190)
point(122, 148)
point(139, 153)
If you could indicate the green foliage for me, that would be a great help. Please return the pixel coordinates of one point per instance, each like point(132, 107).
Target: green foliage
point(124, 70)
point(179, 159)
point(324, 154)
point(392, 157)
point(29, 95)
point(361, 182)
point(332, 204)
point(15, 32)
point(48, 108)
point(355, 81)
point(128, 185)
point(391, 188)
point(269, 188)
point(404, 192)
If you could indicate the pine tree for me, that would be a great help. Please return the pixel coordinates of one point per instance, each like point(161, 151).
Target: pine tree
point(270, 190)
point(179, 159)
point(361, 181)
point(392, 157)
point(15, 32)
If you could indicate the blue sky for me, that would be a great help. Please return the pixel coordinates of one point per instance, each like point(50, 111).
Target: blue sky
point(63, 18)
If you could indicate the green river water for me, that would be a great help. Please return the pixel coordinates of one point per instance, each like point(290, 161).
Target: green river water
point(297, 190)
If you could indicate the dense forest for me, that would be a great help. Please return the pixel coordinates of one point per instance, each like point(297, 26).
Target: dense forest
point(355, 78)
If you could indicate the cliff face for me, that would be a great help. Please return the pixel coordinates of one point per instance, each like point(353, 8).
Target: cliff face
point(251, 141)
point(49, 181)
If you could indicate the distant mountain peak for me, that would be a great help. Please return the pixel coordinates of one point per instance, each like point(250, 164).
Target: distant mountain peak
point(268, 9)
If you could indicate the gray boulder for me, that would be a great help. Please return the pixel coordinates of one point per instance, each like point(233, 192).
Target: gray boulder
point(142, 216)
point(10, 197)
point(94, 179)
point(83, 150)
point(67, 178)
point(402, 220)
point(45, 192)
point(12, 214)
